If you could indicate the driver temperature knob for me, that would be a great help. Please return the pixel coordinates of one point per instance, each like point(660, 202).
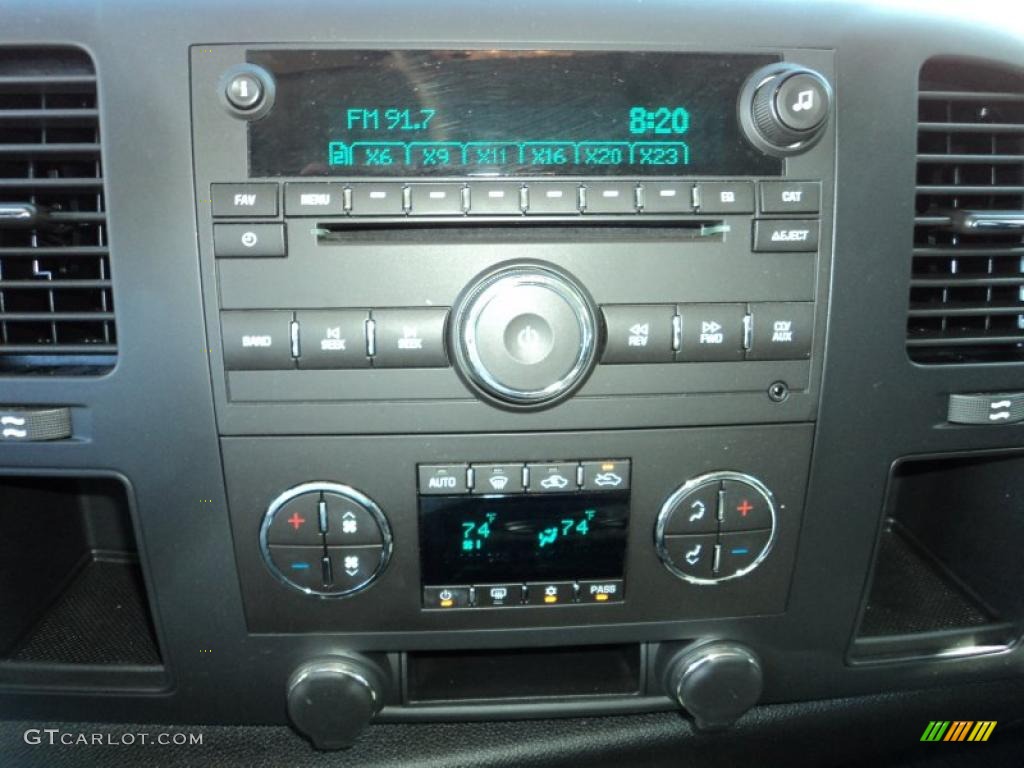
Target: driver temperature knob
point(331, 700)
point(525, 335)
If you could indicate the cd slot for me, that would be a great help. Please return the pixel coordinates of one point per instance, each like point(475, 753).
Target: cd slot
point(572, 230)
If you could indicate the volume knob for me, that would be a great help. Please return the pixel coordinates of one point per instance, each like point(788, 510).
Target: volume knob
point(525, 335)
point(784, 108)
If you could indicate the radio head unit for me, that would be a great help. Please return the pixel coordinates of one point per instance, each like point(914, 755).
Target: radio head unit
point(503, 113)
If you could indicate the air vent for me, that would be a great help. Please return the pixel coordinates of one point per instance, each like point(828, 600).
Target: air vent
point(56, 309)
point(967, 288)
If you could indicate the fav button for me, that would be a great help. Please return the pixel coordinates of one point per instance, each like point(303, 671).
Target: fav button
point(695, 512)
point(445, 597)
point(409, 338)
point(296, 522)
point(244, 199)
point(332, 338)
point(638, 333)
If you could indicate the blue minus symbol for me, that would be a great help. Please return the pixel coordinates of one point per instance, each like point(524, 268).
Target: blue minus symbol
point(300, 566)
point(740, 550)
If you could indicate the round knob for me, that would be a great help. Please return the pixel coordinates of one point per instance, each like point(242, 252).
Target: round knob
point(331, 701)
point(715, 683)
point(784, 108)
point(525, 335)
point(325, 539)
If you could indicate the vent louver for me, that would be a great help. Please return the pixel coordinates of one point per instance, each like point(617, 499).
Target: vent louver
point(56, 308)
point(967, 286)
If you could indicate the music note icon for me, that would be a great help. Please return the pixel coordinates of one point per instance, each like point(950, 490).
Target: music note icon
point(804, 101)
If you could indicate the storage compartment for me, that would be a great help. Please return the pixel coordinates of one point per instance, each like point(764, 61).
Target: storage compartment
point(948, 573)
point(72, 598)
point(523, 674)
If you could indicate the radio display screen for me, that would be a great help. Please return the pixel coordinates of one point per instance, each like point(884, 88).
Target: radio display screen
point(482, 539)
point(486, 113)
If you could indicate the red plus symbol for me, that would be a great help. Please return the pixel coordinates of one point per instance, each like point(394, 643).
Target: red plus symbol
point(296, 521)
point(744, 508)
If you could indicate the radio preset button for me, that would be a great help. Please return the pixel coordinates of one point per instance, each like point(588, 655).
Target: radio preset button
point(494, 198)
point(314, 199)
point(257, 340)
point(726, 196)
point(550, 593)
point(610, 197)
point(667, 197)
point(781, 331)
point(332, 338)
point(553, 197)
point(442, 479)
point(693, 556)
point(410, 338)
point(607, 475)
point(600, 591)
point(498, 478)
point(790, 196)
point(435, 199)
point(696, 512)
point(552, 478)
point(384, 198)
point(638, 333)
point(498, 595)
point(248, 241)
point(244, 200)
point(711, 332)
point(297, 523)
point(786, 235)
point(446, 597)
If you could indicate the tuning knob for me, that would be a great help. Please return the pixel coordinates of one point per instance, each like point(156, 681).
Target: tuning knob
point(525, 335)
point(784, 108)
point(715, 682)
point(331, 700)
